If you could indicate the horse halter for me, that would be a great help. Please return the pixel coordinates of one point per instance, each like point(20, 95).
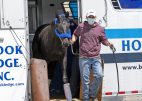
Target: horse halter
point(61, 36)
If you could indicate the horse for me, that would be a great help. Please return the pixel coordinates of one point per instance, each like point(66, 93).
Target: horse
point(50, 43)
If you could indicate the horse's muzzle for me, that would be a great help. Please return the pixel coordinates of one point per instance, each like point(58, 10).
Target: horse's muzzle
point(66, 44)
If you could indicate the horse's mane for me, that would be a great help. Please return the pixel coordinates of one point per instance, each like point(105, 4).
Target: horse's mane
point(40, 28)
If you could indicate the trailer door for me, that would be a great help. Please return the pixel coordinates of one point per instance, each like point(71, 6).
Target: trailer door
point(124, 29)
point(99, 6)
point(14, 50)
point(13, 13)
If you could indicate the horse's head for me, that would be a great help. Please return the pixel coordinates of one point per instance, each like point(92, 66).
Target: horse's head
point(62, 29)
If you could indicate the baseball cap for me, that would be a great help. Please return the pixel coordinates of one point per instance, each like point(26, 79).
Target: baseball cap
point(90, 12)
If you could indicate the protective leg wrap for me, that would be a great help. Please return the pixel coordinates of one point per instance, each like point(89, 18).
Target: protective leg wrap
point(65, 80)
point(67, 92)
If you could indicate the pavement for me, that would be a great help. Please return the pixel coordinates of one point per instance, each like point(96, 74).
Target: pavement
point(66, 100)
point(113, 98)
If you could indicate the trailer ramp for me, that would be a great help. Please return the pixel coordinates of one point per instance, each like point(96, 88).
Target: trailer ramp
point(123, 98)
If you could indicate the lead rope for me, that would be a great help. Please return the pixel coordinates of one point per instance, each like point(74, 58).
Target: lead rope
point(113, 50)
point(12, 31)
point(73, 51)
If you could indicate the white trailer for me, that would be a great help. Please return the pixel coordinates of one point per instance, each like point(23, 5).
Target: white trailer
point(122, 20)
point(123, 24)
point(14, 50)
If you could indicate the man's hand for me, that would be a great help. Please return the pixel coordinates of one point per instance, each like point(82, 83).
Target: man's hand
point(74, 38)
point(71, 42)
point(112, 47)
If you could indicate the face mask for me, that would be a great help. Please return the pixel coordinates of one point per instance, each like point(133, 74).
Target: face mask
point(91, 21)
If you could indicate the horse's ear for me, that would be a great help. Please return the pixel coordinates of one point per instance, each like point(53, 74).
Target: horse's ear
point(56, 15)
point(67, 14)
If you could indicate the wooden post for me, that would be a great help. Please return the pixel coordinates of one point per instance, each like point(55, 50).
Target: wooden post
point(39, 80)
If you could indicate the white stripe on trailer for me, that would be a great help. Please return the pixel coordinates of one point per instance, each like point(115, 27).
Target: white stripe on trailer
point(122, 93)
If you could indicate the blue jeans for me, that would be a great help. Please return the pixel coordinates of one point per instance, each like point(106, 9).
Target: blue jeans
point(87, 64)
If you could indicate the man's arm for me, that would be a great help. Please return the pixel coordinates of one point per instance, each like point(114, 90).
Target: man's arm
point(76, 34)
point(74, 38)
point(105, 41)
point(110, 45)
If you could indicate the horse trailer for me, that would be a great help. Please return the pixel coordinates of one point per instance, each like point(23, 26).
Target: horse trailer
point(14, 50)
point(123, 26)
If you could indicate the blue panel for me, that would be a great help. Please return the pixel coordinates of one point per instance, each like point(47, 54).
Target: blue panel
point(122, 57)
point(131, 4)
point(74, 8)
point(123, 33)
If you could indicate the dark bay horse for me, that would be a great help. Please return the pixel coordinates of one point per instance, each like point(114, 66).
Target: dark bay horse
point(50, 43)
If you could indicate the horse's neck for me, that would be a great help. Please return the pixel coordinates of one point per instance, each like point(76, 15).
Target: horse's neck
point(51, 37)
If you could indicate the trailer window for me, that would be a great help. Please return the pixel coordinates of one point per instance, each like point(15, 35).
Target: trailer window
point(115, 4)
point(71, 7)
point(127, 4)
point(130, 4)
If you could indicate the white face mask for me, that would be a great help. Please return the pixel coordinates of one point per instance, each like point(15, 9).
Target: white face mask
point(91, 21)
